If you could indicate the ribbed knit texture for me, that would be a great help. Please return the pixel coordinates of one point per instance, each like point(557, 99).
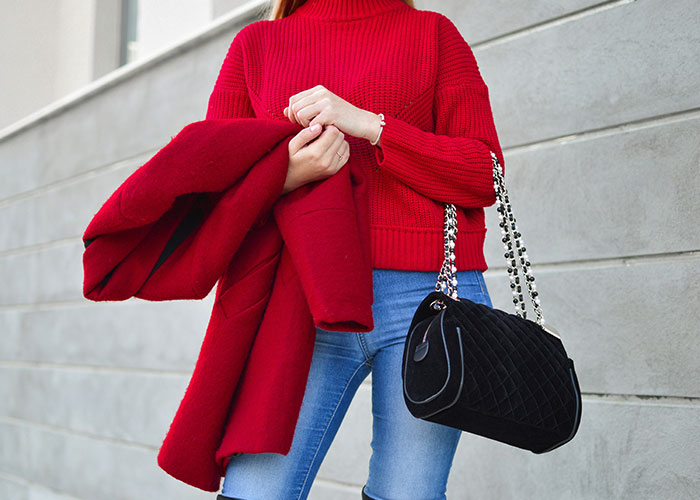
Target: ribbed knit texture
point(413, 66)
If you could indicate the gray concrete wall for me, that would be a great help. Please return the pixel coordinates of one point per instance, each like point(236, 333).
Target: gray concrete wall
point(597, 106)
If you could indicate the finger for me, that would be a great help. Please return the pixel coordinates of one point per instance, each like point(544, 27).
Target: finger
point(303, 137)
point(307, 114)
point(345, 151)
point(323, 142)
point(331, 156)
point(305, 109)
point(289, 116)
point(304, 93)
point(317, 112)
point(301, 96)
point(327, 138)
point(341, 157)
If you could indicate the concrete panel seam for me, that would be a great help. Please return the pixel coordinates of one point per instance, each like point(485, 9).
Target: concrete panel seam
point(550, 23)
point(4, 419)
point(602, 263)
point(618, 128)
point(102, 369)
point(133, 161)
point(641, 399)
point(33, 484)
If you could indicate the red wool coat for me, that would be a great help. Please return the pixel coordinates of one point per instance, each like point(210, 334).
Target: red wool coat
point(206, 208)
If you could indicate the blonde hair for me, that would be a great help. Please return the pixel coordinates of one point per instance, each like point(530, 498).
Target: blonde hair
point(282, 8)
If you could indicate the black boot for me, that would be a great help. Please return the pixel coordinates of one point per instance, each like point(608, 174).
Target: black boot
point(365, 496)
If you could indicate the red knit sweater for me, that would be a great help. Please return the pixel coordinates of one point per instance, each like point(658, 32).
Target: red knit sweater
point(414, 67)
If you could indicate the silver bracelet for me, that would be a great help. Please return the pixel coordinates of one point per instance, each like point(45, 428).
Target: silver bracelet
point(381, 127)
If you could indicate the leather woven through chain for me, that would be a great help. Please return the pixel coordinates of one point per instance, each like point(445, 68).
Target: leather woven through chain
point(512, 243)
point(486, 371)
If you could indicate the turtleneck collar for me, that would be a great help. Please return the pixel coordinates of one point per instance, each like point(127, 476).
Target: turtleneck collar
point(346, 9)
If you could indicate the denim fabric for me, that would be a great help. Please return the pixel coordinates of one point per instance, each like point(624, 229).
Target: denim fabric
point(411, 458)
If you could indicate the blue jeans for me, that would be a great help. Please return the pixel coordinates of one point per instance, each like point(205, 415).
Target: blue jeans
point(411, 458)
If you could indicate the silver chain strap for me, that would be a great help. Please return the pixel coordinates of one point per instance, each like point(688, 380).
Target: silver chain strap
point(447, 279)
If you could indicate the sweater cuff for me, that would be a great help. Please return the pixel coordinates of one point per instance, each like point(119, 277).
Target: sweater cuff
point(447, 169)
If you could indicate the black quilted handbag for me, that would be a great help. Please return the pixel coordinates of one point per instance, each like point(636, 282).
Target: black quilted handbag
point(483, 370)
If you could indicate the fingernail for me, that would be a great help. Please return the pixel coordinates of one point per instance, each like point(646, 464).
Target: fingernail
point(315, 127)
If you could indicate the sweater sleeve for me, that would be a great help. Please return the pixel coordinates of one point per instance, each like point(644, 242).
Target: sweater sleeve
point(230, 99)
point(453, 164)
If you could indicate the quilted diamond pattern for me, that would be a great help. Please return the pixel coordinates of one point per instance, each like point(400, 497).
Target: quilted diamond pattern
point(491, 373)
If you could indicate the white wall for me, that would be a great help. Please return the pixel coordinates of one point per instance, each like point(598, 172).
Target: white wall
point(46, 52)
point(52, 48)
point(163, 22)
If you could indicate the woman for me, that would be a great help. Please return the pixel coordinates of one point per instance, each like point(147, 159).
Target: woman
point(399, 88)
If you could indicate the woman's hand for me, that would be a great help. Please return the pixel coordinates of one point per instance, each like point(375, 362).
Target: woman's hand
point(320, 105)
point(315, 155)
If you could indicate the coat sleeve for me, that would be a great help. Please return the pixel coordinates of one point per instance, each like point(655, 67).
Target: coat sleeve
point(453, 163)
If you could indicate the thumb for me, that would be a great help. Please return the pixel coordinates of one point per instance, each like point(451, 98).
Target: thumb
point(309, 133)
point(304, 136)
